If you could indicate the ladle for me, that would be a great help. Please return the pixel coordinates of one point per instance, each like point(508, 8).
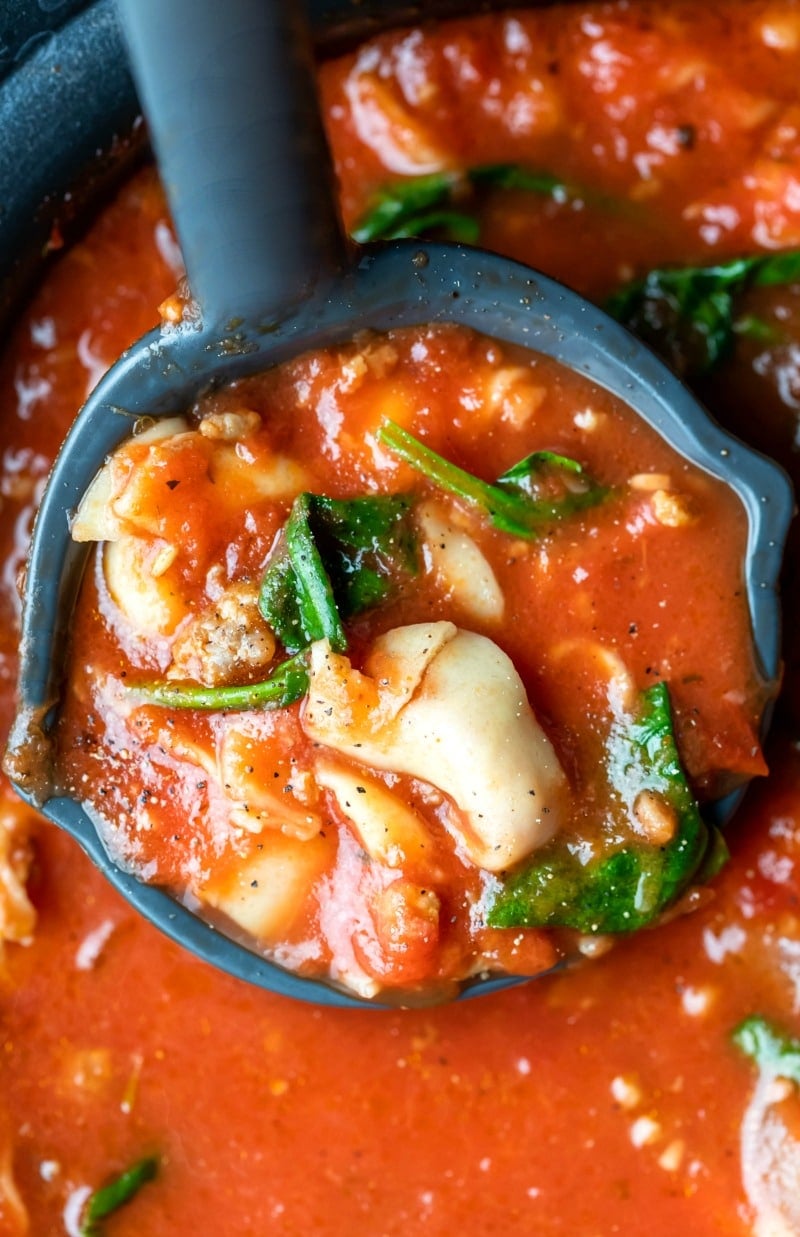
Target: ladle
point(229, 93)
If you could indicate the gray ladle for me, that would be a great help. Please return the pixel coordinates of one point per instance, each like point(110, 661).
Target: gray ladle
point(228, 90)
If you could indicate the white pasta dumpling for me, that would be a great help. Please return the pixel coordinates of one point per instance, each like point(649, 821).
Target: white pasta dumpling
point(266, 790)
point(126, 496)
point(136, 575)
point(242, 477)
point(446, 706)
point(117, 509)
point(267, 893)
point(130, 508)
point(390, 831)
point(458, 564)
point(115, 503)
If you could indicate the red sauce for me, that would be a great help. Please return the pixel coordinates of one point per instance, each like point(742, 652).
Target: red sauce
point(394, 888)
point(578, 1104)
point(676, 150)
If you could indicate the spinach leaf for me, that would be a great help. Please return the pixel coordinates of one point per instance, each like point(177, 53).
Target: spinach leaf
point(287, 683)
point(109, 1198)
point(749, 326)
point(716, 855)
point(627, 889)
point(774, 1052)
point(688, 314)
point(425, 204)
point(367, 545)
point(452, 225)
point(513, 176)
point(773, 269)
point(400, 206)
point(518, 503)
point(335, 558)
point(296, 595)
point(536, 473)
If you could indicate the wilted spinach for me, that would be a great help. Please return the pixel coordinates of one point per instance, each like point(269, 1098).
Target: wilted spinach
point(688, 314)
point(629, 887)
point(521, 502)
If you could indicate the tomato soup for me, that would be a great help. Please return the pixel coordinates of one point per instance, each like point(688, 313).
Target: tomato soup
point(643, 1090)
point(480, 667)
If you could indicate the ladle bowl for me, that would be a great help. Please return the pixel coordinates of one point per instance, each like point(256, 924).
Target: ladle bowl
point(246, 173)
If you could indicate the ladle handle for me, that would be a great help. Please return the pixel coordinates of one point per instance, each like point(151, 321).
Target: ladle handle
point(228, 90)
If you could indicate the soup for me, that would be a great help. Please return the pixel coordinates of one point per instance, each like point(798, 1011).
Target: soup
point(399, 724)
point(593, 1101)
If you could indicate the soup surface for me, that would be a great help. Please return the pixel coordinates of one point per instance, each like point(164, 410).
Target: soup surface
point(457, 693)
point(595, 1101)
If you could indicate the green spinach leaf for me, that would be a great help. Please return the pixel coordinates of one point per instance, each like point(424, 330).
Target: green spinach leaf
point(628, 888)
point(514, 176)
point(774, 1052)
point(451, 225)
point(109, 1198)
point(399, 207)
point(296, 596)
point(336, 558)
point(688, 314)
point(287, 683)
point(368, 547)
point(521, 502)
point(435, 203)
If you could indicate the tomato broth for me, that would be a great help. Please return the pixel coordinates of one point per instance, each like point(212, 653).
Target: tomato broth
point(378, 852)
point(312, 813)
point(612, 1096)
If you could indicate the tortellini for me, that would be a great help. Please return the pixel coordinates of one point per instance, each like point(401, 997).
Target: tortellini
point(446, 706)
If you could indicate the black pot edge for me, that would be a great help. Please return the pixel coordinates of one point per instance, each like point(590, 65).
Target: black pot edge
point(67, 137)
